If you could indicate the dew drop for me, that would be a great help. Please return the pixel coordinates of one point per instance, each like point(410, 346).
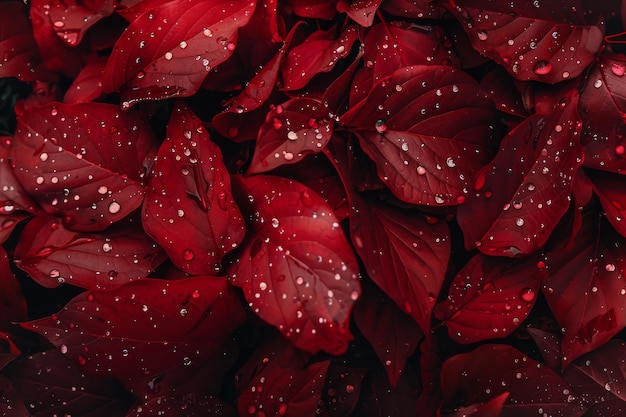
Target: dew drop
point(103, 190)
point(527, 294)
point(610, 267)
point(124, 352)
point(188, 255)
point(54, 273)
point(421, 170)
point(292, 135)
point(114, 207)
point(183, 312)
point(482, 35)
point(63, 349)
point(168, 56)
point(618, 69)
point(519, 222)
point(275, 222)
point(59, 24)
point(405, 147)
point(380, 125)
point(81, 360)
point(222, 200)
point(597, 84)
point(619, 149)
point(349, 389)
point(282, 409)
point(107, 247)
point(43, 157)
point(307, 198)
point(542, 68)
point(517, 205)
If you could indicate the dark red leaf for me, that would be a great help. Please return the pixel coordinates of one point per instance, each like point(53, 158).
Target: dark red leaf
point(71, 19)
point(189, 207)
point(609, 189)
point(413, 8)
point(12, 302)
point(53, 255)
point(492, 408)
point(297, 270)
point(586, 289)
point(9, 351)
point(526, 189)
point(529, 47)
point(145, 327)
point(492, 370)
point(420, 125)
point(361, 11)
point(261, 38)
point(13, 196)
point(85, 168)
point(87, 85)
point(393, 335)
point(549, 347)
point(10, 400)
point(193, 37)
point(502, 88)
point(190, 406)
point(20, 57)
point(323, 9)
point(341, 392)
point(319, 53)
point(50, 384)
point(292, 130)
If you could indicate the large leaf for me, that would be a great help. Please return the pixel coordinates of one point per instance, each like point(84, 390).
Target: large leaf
point(188, 38)
point(490, 297)
point(12, 302)
point(525, 190)
point(491, 370)
point(87, 169)
point(189, 207)
point(145, 327)
point(296, 269)
point(586, 289)
point(420, 125)
point(52, 254)
point(530, 47)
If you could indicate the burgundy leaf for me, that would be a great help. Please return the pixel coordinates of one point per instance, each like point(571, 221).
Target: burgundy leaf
point(12, 302)
point(413, 8)
point(525, 190)
point(261, 38)
point(529, 47)
point(71, 19)
point(491, 370)
point(393, 335)
point(189, 207)
point(502, 88)
point(361, 11)
point(492, 408)
point(418, 125)
point(586, 289)
point(319, 53)
point(490, 297)
point(297, 270)
point(145, 327)
point(20, 54)
point(190, 406)
point(608, 187)
point(87, 85)
point(52, 254)
point(549, 346)
point(85, 168)
point(50, 384)
point(10, 400)
point(323, 9)
point(193, 37)
point(341, 392)
point(292, 130)
point(13, 196)
point(9, 351)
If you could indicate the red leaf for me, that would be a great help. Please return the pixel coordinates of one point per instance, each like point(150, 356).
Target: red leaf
point(319, 53)
point(361, 11)
point(53, 255)
point(20, 54)
point(13, 406)
point(341, 392)
point(491, 370)
point(49, 384)
point(296, 269)
point(87, 85)
point(526, 189)
point(145, 327)
point(13, 196)
point(393, 335)
point(293, 130)
point(490, 297)
point(419, 142)
point(492, 408)
point(190, 406)
point(586, 289)
point(12, 302)
point(529, 47)
point(608, 187)
point(549, 345)
point(189, 208)
point(413, 8)
point(404, 255)
point(72, 18)
point(88, 169)
point(323, 9)
point(193, 37)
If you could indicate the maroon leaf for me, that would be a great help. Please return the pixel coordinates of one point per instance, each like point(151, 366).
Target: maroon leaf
point(586, 289)
point(145, 327)
point(492, 408)
point(413, 8)
point(341, 392)
point(502, 88)
point(10, 400)
point(53, 255)
point(491, 370)
point(529, 47)
point(20, 54)
point(189, 207)
point(87, 85)
point(361, 11)
point(193, 37)
point(292, 131)
point(50, 384)
point(392, 333)
point(525, 190)
point(71, 19)
point(190, 406)
point(12, 302)
point(417, 139)
point(88, 169)
point(549, 345)
point(324, 9)
point(296, 269)
point(490, 297)
point(13, 196)
point(319, 53)
point(608, 188)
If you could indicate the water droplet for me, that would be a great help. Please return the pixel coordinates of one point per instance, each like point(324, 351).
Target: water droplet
point(349, 389)
point(482, 35)
point(282, 409)
point(114, 207)
point(207, 33)
point(107, 247)
point(527, 294)
point(354, 295)
point(517, 205)
point(188, 255)
point(54, 273)
point(186, 361)
point(618, 69)
point(183, 312)
point(619, 149)
point(288, 156)
point(597, 84)
point(168, 56)
point(63, 349)
point(231, 46)
point(405, 146)
point(103, 189)
point(519, 222)
point(222, 200)
point(292, 135)
point(542, 68)
point(307, 198)
point(450, 162)
point(43, 157)
point(421, 170)
point(380, 126)
point(275, 222)
point(59, 24)
point(124, 352)
point(610, 267)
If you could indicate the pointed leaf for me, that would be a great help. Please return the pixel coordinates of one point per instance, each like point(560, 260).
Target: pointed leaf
point(608, 187)
point(189, 209)
point(549, 346)
point(296, 269)
point(85, 168)
point(361, 11)
point(72, 19)
point(87, 85)
point(492, 408)
point(525, 190)
point(13, 196)
point(12, 302)
point(420, 142)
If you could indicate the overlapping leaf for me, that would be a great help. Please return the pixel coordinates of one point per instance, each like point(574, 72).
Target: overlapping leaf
point(71, 19)
point(526, 189)
point(361, 11)
point(490, 297)
point(296, 268)
point(608, 188)
point(87, 85)
point(89, 170)
point(189, 207)
point(13, 303)
point(52, 254)
point(190, 38)
point(416, 124)
point(144, 327)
